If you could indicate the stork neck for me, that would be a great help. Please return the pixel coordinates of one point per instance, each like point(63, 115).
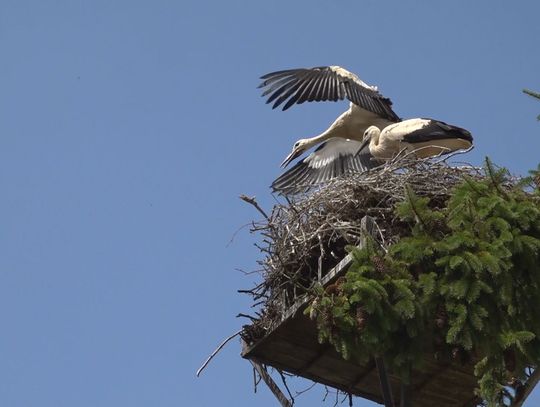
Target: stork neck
point(320, 138)
point(375, 139)
point(381, 147)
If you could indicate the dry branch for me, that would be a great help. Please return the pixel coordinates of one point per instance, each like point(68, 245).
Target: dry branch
point(214, 353)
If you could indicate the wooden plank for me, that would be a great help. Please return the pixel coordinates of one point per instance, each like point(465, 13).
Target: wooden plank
point(358, 380)
point(317, 358)
point(430, 378)
point(285, 402)
point(331, 364)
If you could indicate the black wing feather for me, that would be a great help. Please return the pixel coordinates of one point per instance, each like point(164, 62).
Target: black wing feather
point(305, 83)
point(317, 84)
point(322, 84)
point(275, 85)
point(302, 177)
point(300, 94)
point(437, 130)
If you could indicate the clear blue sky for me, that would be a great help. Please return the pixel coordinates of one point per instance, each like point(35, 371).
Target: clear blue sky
point(129, 128)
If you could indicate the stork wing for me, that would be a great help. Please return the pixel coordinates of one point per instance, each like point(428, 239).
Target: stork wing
point(331, 159)
point(426, 130)
point(322, 84)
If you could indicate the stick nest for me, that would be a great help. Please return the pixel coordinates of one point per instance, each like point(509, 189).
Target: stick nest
point(304, 238)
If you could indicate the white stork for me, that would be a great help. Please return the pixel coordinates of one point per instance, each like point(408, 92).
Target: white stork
point(339, 153)
point(423, 137)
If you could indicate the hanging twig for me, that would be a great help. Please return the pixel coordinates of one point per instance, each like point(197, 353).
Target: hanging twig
point(298, 393)
point(236, 232)
point(214, 353)
point(286, 386)
point(326, 394)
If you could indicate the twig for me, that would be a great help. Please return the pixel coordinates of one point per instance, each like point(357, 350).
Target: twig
point(298, 393)
point(327, 392)
point(214, 353)
point(247, 273)
point(253, 202)
point(236, 232)
point(286, 386)
point(255, 380)
point(321, 257)
point(446, 157)
point(240, 315)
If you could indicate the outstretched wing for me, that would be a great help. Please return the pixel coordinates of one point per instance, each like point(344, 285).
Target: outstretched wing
point(331, 159)
point(324, 83)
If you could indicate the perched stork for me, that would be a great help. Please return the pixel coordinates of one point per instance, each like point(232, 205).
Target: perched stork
point(423, 137)
point(338, 154)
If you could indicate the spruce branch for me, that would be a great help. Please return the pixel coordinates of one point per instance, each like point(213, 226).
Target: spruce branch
point(532, 93)
point(535, 95)
point(411, 200)
point(495, 177)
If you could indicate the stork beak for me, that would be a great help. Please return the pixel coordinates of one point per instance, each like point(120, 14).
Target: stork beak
point(295, 153)
point(364, 144)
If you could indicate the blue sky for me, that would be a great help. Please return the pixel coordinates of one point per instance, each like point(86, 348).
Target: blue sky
point(129, 128)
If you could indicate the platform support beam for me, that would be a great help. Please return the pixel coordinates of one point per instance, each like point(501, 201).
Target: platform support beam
point(385, 383)
point(527, 388)
point(284, 401)
point(405, 400)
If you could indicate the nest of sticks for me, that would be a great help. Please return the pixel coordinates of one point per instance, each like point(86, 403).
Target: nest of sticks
point(308, 235)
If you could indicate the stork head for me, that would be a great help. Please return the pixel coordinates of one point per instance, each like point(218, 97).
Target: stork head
point(299, 147)
point(371, 133)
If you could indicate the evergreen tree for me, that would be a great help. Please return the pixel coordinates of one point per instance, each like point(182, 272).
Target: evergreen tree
point(464, 282)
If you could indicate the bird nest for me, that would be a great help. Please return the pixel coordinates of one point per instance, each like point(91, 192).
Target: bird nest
point(309, 234)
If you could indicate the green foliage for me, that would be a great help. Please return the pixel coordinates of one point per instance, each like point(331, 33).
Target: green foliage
point(465, 283)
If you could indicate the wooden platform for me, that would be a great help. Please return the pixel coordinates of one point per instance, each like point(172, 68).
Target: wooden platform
point(292, 346)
